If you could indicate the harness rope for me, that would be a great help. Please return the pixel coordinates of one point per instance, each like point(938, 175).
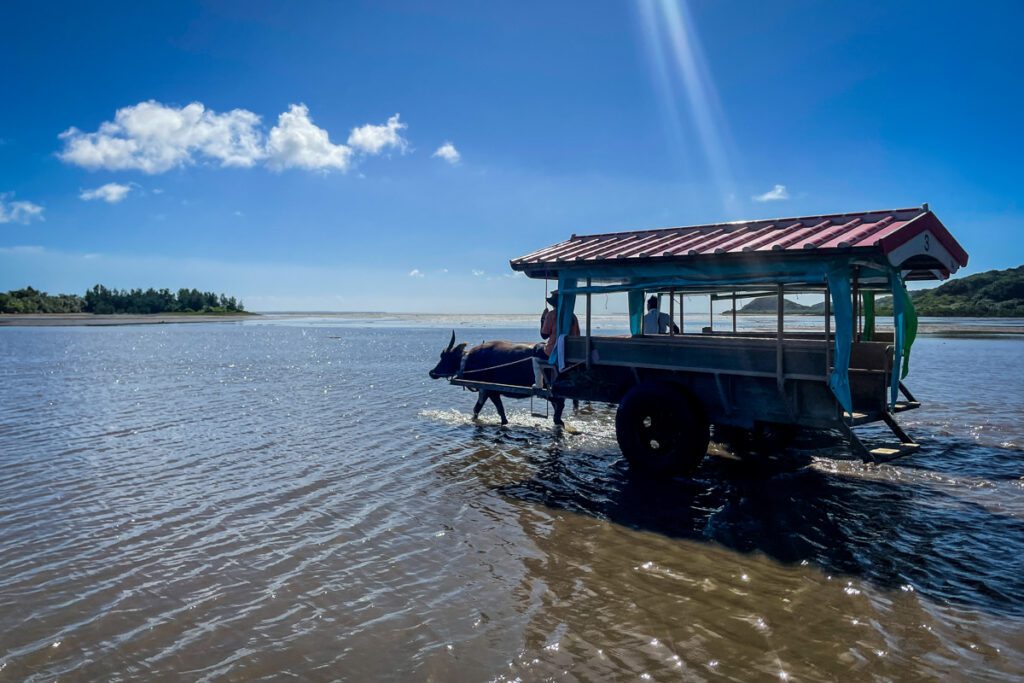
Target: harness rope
point(463, 371)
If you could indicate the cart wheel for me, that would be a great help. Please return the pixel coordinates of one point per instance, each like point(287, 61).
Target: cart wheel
point(661, 429)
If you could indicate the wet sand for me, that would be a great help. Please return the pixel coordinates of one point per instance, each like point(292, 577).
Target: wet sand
point(92, 319)
point(943, 327)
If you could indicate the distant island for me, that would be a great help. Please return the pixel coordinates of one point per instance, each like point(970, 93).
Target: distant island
point(103, 301)
point(992, 294)
point(765, 305)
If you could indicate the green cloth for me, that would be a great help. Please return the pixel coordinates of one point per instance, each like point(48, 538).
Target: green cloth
point(904, 319)
point(910, 333)
point(868, 298)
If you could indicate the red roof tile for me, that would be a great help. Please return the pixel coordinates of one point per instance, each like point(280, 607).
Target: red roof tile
point(871, 231)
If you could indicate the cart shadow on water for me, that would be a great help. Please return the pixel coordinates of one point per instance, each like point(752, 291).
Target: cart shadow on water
point(918, 524)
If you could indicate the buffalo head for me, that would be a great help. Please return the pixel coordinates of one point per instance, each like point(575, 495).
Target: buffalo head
point(451, 358)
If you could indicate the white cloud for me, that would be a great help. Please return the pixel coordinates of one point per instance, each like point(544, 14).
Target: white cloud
point(477, 273)
point(775, 194)
point(18, 211)
point(111, 193)
point(448, 152)
point(415, 272)
point(296, 142)
point(371, 139)
point(153, 138)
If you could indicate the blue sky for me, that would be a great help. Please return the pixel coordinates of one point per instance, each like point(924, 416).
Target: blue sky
point(252, 148)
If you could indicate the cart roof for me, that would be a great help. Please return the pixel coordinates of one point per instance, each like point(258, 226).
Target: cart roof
point(913, 240)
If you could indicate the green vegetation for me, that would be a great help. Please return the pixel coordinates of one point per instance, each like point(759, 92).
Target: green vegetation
point(29, 300)
point(99, 299)
point(994, 293)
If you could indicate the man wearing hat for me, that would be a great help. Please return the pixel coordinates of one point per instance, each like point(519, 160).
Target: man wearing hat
point(548, 332)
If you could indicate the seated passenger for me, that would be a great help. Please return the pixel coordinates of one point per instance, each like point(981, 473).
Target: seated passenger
point(656, 322)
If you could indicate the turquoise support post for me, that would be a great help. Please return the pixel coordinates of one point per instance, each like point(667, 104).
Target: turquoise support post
point(566, 303)
point(566, 310)
point(842, 306)
point(636, 311)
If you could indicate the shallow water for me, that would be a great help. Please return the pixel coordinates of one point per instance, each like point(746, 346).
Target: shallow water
point(244, 501)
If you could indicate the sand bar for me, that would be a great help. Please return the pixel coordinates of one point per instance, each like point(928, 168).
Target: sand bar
point(91, 319)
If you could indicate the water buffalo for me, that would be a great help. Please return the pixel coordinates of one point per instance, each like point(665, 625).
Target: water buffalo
point(498, 362)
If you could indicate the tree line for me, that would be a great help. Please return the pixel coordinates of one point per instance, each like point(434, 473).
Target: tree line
point(993, 293)
point(103, 300)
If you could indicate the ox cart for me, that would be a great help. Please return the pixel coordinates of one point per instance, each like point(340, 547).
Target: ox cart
point(672, 388)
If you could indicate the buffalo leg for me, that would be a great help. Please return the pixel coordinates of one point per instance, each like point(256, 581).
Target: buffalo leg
point(496, 400)
point(481, 399)
point(559, 404)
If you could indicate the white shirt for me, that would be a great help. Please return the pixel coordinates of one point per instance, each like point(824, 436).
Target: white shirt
point(656, 322)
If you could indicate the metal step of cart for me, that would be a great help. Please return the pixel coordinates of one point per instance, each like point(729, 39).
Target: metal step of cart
point(856, 418)
point(889, 452)
point(886, 453)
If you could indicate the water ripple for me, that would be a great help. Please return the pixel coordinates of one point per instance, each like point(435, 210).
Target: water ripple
point(256, 501)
